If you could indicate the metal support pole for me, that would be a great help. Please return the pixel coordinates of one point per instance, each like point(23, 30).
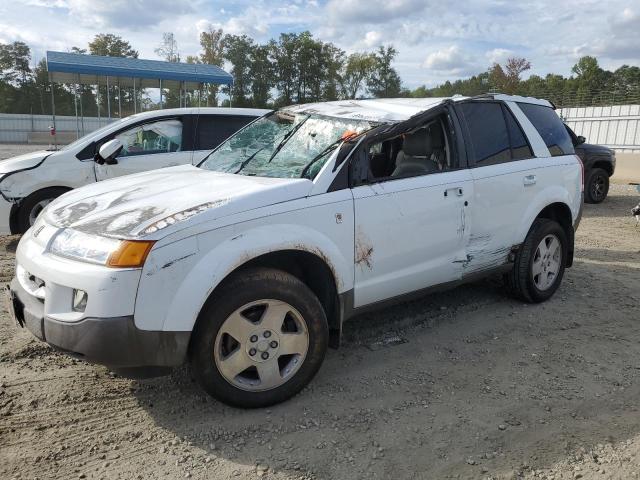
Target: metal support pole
point(199, 94)
point(98, 100)
point(119, 102)
point(81, 110)
point(160, 93)
point(53, 116)
point(108, 100)
point(135, 105)
point(75, 107)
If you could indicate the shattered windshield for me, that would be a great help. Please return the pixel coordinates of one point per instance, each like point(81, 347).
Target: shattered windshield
point(284, 145)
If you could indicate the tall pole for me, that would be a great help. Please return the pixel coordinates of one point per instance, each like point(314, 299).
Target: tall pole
point(108, 100)
point(119, 102)
point(81, 110)
point(53, 116)
point(75, 106)
point(160, 93)
point(98, 100)
point(135, 105)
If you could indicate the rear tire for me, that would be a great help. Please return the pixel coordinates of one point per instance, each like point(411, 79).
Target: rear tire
point(539, 265)
point(33, 204)
point(597, 186)
point(260, 339)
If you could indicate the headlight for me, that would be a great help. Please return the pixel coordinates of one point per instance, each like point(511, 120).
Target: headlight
point(100, 250)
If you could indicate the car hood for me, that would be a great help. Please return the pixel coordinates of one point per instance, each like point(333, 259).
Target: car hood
point(28, 160)
point(162, 201)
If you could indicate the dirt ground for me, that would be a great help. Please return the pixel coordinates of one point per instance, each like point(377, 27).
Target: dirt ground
point(479, 386)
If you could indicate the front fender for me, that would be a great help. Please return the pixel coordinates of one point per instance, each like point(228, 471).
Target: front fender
point(178, 278)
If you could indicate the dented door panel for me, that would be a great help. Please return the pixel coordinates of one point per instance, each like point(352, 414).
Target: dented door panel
point(410, 234)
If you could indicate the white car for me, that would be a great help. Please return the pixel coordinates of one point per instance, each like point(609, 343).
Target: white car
point(149, 140)
point(247, 264)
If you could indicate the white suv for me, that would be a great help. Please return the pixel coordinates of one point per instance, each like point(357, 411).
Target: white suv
point(248, 264)
point(148, 140)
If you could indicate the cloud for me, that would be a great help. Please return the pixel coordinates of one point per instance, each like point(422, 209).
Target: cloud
point(499, 55)
point(122, 13)
point(450, 60)
point(366, 11)
point(372, 39)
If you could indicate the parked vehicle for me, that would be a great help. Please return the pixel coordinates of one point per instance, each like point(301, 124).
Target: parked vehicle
point(149, 140)
point(599, 165)
point(248, 264)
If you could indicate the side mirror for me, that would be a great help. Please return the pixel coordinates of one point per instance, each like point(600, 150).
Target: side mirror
point(109, 151)
point(581, 140)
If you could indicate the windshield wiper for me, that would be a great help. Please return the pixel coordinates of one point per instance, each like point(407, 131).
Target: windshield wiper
point(248, 159)
point(285, 138)
point(322, 154)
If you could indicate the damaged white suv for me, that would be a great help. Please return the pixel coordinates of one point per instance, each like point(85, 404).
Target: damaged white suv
point(248, 264)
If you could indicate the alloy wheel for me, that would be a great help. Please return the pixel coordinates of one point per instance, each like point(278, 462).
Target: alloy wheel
point(261, 345)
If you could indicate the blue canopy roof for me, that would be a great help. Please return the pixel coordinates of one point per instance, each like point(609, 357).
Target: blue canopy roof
point(66, 67)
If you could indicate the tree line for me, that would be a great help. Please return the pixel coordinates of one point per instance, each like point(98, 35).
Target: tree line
point(293, 68)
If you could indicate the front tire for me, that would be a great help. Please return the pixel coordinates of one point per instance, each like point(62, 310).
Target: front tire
point(260, 339)
point(33, 204)
point(597, 186)
point(539, 265)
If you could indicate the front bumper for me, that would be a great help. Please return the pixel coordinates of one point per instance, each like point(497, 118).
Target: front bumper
point(115, 342)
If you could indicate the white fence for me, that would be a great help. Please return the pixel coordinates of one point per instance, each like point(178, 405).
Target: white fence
point(617, 126)
point(15, 128)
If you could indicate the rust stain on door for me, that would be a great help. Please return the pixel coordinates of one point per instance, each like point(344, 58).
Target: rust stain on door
point(364, 250)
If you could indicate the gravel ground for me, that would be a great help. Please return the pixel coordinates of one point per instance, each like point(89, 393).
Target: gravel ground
point(479, 387)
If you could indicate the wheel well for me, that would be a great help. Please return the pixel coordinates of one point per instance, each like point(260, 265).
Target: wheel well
point(606, 166)
point(561, 213)
point(313, 271)
point(15, 208)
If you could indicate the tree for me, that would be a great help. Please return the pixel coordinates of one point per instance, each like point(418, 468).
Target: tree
point(357, 69)
point(14, 62)
point(507, 79)
point(212, 54)
point(110, 45)
point(384, 82)
point(168, 49)
point(261, 74)
point(237, 50)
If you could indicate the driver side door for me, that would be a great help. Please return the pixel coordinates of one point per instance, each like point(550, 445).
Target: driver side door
point(148, 146)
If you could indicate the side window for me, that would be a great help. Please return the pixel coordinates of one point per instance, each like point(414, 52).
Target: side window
point(215, 129)
point(163, 136)
point(520, 148)
point(550, 128)
point(419, 151)
point(488, 132)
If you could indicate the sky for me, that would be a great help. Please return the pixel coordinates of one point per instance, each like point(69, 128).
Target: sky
point(436, 40)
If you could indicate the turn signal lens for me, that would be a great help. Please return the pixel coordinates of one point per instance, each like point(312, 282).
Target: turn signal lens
point(130, 254)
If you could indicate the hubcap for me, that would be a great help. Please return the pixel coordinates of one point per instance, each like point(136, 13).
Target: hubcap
point(37, 208)
point(261, 345)
point(546, 262)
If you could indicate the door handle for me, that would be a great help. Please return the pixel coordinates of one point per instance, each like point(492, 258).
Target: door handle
point(530, 180)
point(458, 191)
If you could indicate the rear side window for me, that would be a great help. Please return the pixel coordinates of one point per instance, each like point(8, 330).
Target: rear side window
point(488, 132)
point(550, 128)
point(520, 148)
point(215, 129)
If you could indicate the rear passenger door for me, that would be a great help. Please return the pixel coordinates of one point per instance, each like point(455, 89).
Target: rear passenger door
point(212, 130)
point(504, 168)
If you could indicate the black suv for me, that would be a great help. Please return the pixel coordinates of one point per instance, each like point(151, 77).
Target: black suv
point(599, 165)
